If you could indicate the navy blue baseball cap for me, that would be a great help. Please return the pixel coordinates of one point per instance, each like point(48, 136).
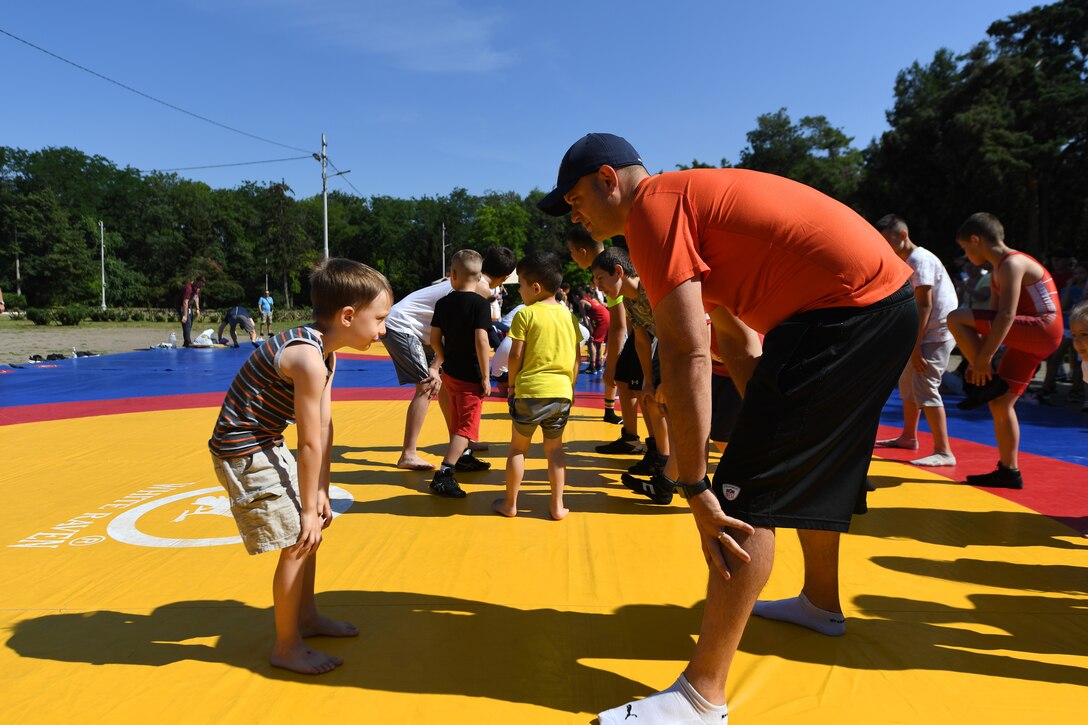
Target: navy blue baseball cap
point(586, 156)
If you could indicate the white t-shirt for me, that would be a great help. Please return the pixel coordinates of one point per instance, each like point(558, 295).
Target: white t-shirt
point(412, 315)
point(929, 272)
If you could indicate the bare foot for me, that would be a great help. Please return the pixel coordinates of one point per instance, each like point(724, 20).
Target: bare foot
point(560, 513)
point(477, 446)
point(414, 463)
point(327, 627)
point(909, 444)
point(304, 660)
point(499, 506)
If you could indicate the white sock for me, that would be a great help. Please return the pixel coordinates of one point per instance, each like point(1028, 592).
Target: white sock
point(937, 459)
point(680, 704)
point(799, 610)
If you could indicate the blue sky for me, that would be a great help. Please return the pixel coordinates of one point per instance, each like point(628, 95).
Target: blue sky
point(418, 97)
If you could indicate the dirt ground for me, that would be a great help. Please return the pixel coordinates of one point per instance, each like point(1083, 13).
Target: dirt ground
point(19, 339)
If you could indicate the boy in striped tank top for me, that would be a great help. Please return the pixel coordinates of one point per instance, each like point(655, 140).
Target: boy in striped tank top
point(1024, 316)
point(276, 504)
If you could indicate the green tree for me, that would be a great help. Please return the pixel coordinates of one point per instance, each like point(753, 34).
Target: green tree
point(811, 151)
point(56, 261)
point(1003, 128)
point(500, 224)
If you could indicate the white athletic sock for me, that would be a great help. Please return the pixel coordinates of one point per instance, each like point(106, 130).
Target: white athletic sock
point(937, 459)
point(680, 704)
point(799, 610)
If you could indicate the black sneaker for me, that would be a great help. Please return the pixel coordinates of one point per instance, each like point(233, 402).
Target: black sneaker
point(610, 416)
point(625, 445)
point(658, 489)
point(469, 463)
point(650, 464)
point(1001, 477)
point(979, 395)
point(444, 484)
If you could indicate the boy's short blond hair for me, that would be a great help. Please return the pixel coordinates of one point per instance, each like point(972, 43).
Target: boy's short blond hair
point(468, 262)
point(338, 283)
point(1079, 313)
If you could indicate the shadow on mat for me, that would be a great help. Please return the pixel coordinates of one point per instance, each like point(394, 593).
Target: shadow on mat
point(918, 635)
point(964, 528)
point(409, 643)
point(532, 502)
point(1056, 578)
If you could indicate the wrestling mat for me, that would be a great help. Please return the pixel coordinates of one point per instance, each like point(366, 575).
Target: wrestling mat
point(128, 598)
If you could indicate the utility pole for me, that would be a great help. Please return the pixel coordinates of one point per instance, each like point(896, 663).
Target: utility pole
point(18, 278)
point(325, 195)
point(324, 158)
point(442, 272)
point(102, 240)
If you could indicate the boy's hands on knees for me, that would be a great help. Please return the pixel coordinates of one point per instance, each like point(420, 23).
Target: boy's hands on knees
point(917, 361)
point(646, 396)
point(433, 383)
point(324, 508)
point(309, 537)
point(977, 376)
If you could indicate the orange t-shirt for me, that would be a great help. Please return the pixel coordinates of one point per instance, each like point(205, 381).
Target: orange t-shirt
point(764, 247)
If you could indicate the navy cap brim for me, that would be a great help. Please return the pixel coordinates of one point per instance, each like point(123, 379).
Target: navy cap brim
point(586, 156)
point(553, 203)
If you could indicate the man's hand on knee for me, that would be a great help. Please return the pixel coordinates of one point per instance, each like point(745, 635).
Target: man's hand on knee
point(718, 533)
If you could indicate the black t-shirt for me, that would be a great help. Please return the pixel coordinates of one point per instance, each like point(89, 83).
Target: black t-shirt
point(459, 315)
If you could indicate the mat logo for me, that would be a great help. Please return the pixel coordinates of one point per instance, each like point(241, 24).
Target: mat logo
point(159, 524)
point(217, 505)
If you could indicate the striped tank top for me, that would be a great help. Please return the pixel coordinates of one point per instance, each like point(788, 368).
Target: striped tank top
point(260, 403)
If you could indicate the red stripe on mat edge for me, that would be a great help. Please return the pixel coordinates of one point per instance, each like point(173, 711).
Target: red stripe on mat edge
point(1052, 487)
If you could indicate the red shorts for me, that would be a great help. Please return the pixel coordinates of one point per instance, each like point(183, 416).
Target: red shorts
point(466, 403)
point(1031, 340)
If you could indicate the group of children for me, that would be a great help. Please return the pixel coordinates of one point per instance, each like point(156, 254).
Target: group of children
point(1024, 316)
point(283, 505)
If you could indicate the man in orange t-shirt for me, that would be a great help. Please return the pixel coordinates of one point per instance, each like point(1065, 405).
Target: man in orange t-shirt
point(761, 254)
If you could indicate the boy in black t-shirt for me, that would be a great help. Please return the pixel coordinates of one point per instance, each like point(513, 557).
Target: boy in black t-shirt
point(459, 339)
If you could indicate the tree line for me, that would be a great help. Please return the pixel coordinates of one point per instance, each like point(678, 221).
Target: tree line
point(1001, 128)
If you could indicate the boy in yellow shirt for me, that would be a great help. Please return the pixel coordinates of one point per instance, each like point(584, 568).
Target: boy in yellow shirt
point(542, 369)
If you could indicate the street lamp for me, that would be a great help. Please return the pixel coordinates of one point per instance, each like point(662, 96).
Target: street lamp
point(323, 158)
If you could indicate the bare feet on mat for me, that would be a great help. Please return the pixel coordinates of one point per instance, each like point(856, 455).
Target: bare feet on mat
point(500, 507)
point(414, 463)
point(327, 627)
point(909, 444)
point(304, 660)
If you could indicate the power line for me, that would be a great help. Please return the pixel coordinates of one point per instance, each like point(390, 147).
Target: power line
point(151, 98)
point(222, 166)
point(343, 176)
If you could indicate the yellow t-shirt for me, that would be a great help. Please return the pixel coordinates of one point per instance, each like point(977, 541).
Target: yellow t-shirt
point(551, 343)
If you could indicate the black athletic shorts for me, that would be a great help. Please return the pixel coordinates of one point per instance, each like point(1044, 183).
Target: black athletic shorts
point(800, 451)
point(628, 368)
point(725, 404)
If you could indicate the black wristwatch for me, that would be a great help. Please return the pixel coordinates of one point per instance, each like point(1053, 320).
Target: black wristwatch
point(688, 490)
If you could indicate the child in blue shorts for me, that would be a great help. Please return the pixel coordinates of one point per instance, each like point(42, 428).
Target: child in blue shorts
point(542, 368)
